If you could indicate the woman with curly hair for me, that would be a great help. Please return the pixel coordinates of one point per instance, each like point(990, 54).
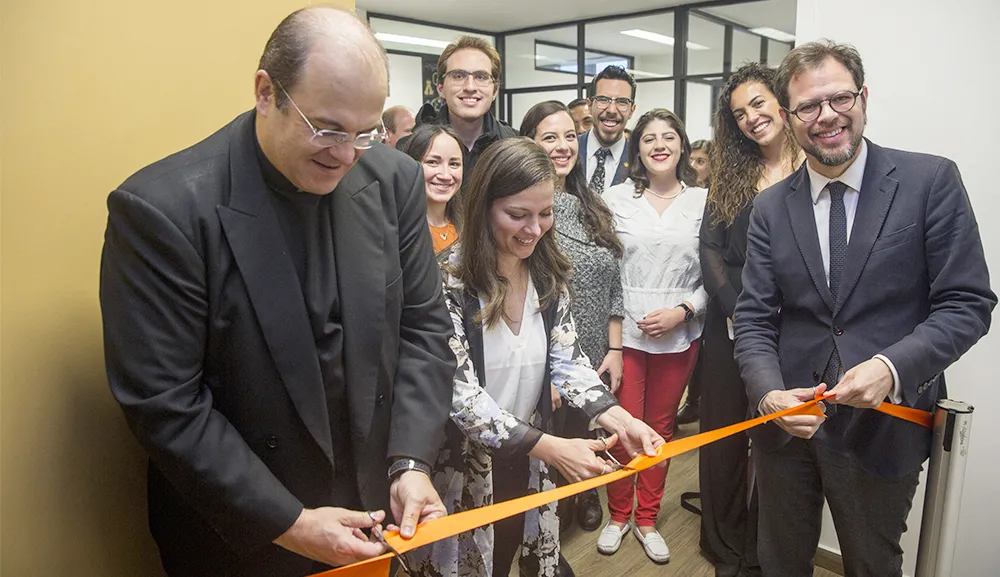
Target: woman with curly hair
point(752, 150)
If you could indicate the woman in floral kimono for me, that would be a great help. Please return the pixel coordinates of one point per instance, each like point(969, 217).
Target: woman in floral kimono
point(506, 290)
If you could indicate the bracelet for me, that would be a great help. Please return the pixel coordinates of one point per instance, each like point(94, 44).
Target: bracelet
point(403, 465)
point(614, 348)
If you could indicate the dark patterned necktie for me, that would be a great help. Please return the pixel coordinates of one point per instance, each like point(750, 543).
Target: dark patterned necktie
point(838, 254)
point(597, 181)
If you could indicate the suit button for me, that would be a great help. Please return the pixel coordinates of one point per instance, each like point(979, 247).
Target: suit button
point(272, 442)
point(380, 400)
point(837, 330)
point(815, 376)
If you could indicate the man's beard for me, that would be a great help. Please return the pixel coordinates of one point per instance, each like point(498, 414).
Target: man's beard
point(836, 158)
point(612, 135)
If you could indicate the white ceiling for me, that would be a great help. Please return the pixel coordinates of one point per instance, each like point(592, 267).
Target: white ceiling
point(651, 57)
point(494, 16)
point(507, 14)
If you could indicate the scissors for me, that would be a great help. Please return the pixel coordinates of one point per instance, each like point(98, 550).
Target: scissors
point(618, 465)
point(381, 539)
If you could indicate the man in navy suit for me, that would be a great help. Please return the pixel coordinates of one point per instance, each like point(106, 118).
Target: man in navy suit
point(603, 149)
point(864, 275)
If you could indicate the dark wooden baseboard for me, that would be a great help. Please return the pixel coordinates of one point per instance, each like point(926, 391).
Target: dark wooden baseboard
point(829, 560)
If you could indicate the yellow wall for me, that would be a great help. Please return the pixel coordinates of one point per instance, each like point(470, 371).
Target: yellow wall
point(91, 92)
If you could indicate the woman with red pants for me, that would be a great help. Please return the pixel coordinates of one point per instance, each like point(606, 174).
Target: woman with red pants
point(657, 217)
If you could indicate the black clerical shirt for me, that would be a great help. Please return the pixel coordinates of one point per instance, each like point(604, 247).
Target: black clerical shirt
point(306, 222)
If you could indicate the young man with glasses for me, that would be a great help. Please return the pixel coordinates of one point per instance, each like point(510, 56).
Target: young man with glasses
point(864, 276)
point(274, 324)
point(468, 79)
point(602, 149)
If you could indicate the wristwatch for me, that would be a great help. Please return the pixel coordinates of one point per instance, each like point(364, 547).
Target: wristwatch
point(688, 313)
point(400, 466)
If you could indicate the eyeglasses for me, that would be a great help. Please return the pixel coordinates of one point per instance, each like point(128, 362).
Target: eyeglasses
point(459, 76)
point(330, 138)
point(839, 102)
point(603, 102)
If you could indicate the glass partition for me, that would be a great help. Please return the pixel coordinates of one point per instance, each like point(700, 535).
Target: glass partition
point(536, 59)
point(647, 40)
point(706, 46)
point(776, 51)
point(746, 48)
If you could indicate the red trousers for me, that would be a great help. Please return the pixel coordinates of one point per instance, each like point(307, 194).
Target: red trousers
point(652, 387)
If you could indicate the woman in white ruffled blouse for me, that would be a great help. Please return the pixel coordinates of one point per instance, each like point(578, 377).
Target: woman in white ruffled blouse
point(657, 217)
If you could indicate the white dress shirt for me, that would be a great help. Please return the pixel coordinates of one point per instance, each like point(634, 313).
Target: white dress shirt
point(852, 177)
point(515, 364)
point(610, 163)
point(661, 267)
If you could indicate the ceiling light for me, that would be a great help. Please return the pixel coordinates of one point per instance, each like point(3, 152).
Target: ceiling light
point(399, 39)
point(774, 34)
point(662, 39)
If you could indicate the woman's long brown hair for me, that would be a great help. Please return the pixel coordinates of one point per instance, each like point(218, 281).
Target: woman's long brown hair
point(737, 162)
point(508, 167)
point(597, 217)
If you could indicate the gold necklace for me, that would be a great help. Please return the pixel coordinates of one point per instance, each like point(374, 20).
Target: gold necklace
point(663, 196)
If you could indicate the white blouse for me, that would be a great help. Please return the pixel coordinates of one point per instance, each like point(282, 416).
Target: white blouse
point(661, 267)
point(515, 364)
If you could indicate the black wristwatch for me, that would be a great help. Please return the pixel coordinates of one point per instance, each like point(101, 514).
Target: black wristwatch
point(688, 313)
point(400, 466)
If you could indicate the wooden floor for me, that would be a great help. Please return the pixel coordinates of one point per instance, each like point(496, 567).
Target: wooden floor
point(679, 528)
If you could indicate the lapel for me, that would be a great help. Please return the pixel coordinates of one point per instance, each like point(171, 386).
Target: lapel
point(874, 199)
point(474, 336)
point(622, 173)
point(255, 238)
point(803, 222)
point(359, 236)
point(582, 144)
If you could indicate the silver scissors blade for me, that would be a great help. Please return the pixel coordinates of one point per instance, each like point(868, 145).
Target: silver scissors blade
point(381, 539)
point(618, 465)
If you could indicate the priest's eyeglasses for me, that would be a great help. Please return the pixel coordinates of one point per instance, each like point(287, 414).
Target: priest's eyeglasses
point(329, 138)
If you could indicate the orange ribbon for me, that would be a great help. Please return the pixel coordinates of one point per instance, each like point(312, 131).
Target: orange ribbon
point(452, 525)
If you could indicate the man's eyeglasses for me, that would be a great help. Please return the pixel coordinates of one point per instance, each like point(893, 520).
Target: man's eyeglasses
point(839, 102)
point(459, 76)
point(330, 138)
point(603, 102)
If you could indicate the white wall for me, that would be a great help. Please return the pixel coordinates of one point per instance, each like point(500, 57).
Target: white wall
point(930, 72)
point(405, 82)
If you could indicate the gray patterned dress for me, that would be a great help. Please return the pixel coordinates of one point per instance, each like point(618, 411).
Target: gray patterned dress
point(479, 429)
point(597, 283)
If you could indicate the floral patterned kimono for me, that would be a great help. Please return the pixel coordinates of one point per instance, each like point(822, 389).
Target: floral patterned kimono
point(480, 429)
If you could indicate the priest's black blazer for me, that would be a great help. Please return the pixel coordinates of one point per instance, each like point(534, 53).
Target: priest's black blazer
point(210, 353)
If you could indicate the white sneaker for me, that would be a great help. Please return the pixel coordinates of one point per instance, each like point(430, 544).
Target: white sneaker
point(654, 545)
point(610, 539)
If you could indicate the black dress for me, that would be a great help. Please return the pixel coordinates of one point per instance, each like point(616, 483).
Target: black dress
point(729, 518)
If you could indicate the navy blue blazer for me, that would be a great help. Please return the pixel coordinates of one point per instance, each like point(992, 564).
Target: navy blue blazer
point(621, 173)
point(915, 288)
